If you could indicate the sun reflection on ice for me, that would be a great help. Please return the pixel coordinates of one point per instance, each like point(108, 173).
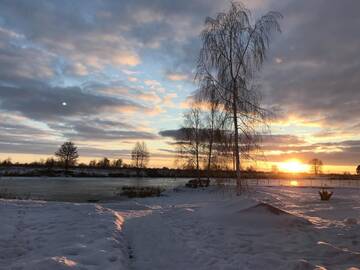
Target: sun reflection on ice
point(294, 183)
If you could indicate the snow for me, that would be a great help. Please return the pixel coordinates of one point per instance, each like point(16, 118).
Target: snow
point(38, 235)
point(269, 228)
point(290, 229)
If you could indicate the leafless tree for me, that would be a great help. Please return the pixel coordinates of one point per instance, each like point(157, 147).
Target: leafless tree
point(358, 170)
point(67, 154)
point(92, 163)
point(316, 166)
point(233, 51)
point(50, 162)
point(214, 122)
point(140, 155)
point(189, 143)
point(117, 163)
point(103, 163)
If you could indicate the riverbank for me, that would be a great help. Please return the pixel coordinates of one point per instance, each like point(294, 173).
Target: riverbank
point(285, 228)
point(126, 172)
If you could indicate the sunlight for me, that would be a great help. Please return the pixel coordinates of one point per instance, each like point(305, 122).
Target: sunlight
point(294, 166)
point(294, 183)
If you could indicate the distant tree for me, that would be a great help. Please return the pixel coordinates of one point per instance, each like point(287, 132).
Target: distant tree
point(117, 163)
point(67, 154)
point(6, 163)
point(50, 162)
point(92, 163)
point(316, 166)
point(104, 163)
point(250, 169)
point(82, 165)
point(358, 170)
point(233, 50)
point(140, 155)
point(274, 169)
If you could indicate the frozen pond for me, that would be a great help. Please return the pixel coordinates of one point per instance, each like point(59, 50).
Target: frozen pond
point(77, 189)
point(91, 188)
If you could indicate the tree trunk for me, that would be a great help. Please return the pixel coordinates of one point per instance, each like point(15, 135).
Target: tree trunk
point(197, 161)
point(210, 153)
point(236, 144)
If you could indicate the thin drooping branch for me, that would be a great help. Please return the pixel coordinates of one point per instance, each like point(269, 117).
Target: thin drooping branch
point(233, 51)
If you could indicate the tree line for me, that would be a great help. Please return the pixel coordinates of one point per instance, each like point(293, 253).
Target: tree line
point(67, 156)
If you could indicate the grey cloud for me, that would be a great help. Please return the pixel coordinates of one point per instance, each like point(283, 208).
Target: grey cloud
point(87, 131)
point(176, 134)
point(319, 77)
point(46, 103)
point(282, 139)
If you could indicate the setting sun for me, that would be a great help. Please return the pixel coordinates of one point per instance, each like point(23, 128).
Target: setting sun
point(294, 166)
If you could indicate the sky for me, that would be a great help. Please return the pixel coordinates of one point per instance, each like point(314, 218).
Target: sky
point(106, 74)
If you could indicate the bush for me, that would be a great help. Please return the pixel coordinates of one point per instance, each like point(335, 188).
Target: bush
point(195, 183)
point(325, 195)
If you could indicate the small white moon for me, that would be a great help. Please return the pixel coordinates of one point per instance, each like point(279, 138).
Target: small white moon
point(64, 104)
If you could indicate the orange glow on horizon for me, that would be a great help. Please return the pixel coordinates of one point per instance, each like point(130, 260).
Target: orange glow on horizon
point(293, 166)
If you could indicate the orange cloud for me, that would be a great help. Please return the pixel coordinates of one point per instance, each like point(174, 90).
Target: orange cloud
point(177, 77)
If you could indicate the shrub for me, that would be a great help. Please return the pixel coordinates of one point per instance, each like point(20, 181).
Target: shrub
point(325, 195)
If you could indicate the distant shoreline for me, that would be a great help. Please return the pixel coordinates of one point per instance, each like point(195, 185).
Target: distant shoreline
point(39, 171)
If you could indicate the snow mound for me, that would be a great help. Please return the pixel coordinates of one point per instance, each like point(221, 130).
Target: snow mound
point(264, 208)
point(266, 215)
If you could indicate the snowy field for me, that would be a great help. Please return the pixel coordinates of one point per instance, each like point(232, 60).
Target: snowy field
point(189, 229)
point(55, 236)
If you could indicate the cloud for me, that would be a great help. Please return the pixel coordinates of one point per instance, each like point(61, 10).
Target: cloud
point(176, 134)
point(99, 130)
point(177, 77)
point(133, 79)
point(83, 52)
point(318, 77)
point(284, 147)
point(43, 102)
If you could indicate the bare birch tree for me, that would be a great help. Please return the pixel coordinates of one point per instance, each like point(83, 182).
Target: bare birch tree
point(214, 130)
point(140, 155)
point(189, 146)
point(233, 51)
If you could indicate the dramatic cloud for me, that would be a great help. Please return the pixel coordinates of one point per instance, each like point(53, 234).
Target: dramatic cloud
point(312, 70)
point(108, 71)
point(44, 102)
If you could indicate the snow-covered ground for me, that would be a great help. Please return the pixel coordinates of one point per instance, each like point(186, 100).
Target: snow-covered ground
point(215, 230)
point(56, 236)
point(190, 229)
